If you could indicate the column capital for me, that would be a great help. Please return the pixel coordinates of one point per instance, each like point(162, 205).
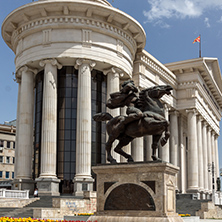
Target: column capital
point(25, 68)
point(174, 112)
point(79, 62)
point(216, 136)
point(194, 111)
point(114, 70)
point(53, 62)
point(209, 129)
point(204, 123)
point(200, 118)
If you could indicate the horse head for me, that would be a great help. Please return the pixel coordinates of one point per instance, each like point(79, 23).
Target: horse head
point(159, 91)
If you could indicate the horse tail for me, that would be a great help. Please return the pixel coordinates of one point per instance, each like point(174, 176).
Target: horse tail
point(102, 117)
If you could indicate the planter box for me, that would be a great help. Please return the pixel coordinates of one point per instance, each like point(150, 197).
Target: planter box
point(75, 218)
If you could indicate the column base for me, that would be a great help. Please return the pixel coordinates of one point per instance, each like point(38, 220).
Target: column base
point(203, 195)
point(24, 184)
point(48, 186)
point(195, 194)
point(81, 185)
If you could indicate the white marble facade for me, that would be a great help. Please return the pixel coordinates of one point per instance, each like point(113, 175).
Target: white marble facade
point(47, 35)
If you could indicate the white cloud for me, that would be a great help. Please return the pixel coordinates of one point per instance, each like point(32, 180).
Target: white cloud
point(162, 9)
point(220, 20)
point(207, 23)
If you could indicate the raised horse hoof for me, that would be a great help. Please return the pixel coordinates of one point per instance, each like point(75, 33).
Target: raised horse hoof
point(163, 141)
point(130, 160)
point(113, 161)
point(155, 158)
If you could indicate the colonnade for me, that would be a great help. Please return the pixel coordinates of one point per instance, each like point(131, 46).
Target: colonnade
point(48, 182)
point(192, 149)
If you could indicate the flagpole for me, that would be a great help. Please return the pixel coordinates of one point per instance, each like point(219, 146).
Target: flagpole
point(200, 47)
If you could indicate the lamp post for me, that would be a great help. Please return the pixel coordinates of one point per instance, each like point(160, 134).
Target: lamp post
point(212, 170)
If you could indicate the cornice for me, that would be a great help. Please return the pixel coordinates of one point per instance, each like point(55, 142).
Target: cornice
point(68, 21)
point(153, 64)
point(201, 65)
point(87, 13)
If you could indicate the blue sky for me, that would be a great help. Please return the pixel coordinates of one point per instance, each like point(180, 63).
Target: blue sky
point(170, 25)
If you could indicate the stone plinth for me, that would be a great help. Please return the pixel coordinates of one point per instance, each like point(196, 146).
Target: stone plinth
point(48, 186)
point(136, 192)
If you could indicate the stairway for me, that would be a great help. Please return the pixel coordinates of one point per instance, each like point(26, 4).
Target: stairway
point(186, 204)
point(27, 211)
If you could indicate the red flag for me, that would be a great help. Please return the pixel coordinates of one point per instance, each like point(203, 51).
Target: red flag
point(197, 39)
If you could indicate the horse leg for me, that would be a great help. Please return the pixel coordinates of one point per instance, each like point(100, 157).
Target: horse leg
point(123, 142)
point(108, 149)
point(156, 139)
point(164, 139)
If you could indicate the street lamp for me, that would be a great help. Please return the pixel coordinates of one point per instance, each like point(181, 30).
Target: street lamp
point(211, 169)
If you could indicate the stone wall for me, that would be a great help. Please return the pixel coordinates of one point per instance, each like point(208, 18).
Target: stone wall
point(13, 203)
point(209, 211)
point(66, 207)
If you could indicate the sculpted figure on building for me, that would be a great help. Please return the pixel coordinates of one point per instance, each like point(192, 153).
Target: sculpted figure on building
point(145, 116)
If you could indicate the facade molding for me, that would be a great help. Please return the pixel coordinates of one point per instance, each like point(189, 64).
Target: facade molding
point(136, 38)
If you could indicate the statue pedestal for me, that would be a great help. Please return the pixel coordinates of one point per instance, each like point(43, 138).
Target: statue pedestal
point(136, 192)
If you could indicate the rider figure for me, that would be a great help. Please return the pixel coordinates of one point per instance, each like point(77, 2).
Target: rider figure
point(126, 97)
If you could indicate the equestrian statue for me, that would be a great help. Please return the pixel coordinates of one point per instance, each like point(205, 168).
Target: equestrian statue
point(145, 116)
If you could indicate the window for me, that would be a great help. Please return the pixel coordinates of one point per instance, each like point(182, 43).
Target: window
point(13, 145)
point(0, 174)
point(12, 175)
point(1, 159)
point(7, 174)
point(1, 143)
point(13, 159)
point(8, 144)
point(8, 159)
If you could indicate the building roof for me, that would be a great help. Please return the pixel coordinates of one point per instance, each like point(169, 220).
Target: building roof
point(209, 70)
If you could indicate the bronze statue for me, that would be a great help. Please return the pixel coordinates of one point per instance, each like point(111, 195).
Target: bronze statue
point(145, 116)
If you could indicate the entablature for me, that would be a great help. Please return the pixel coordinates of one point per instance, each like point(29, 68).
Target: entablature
point(100, 15)
point(147, 61)
point(207, 73)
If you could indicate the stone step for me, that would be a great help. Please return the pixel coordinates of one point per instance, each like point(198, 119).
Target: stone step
point(5, 211)
point(186, 204)
point(44, 202)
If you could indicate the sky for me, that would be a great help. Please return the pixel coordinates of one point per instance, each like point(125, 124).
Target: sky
point(170, 26)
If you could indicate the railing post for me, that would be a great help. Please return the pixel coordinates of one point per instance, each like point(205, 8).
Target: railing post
point(3, 192)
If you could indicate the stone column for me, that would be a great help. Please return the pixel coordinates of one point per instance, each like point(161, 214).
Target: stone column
point(182, 156)
point(217, 169)
point(148, 147)
point(127, 148)
point(174, 138)
point(48, 183)
point(165, 154)
point(113, 84)
point(25, 114)
point(18, 80)
point(192, 152)
point(137, 149)
point(200, 155)
point(83, 180)
point(205, 157)
point(212, 146)
point(209, 153)
point(213, 161)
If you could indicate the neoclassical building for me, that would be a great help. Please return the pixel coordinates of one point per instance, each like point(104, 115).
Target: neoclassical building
point(69, 56)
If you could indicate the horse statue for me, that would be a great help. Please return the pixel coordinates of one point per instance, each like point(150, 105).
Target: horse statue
point(145, 116)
